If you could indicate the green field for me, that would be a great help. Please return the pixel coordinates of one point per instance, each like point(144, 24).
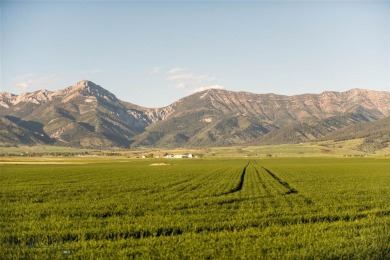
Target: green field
point(202, 208)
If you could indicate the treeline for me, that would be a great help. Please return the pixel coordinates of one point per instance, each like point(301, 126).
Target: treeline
point(42, 154)
point(375, 142)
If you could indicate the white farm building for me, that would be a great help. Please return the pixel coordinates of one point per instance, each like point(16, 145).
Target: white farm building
point(179, 156)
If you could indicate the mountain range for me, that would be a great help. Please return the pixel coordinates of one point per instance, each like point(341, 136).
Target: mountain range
point(87, 115)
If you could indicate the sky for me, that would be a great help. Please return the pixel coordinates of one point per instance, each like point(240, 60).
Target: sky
point(152, 53)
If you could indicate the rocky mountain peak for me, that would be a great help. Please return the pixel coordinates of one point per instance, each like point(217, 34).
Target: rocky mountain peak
point(86, 88)
point(87, 85)
point(83, 83)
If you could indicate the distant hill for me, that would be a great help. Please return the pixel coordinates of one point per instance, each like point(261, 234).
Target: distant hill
point(87, 115)
point(376, 134)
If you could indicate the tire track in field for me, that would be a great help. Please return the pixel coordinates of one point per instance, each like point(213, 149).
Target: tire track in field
point(240, 184)
point(290, 189)
point(273, 188)
point(267, 190)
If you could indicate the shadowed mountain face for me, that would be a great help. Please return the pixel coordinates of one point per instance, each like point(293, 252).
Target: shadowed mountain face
point(86, 115)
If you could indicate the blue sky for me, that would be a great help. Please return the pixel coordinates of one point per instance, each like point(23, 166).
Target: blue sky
point(153, 53)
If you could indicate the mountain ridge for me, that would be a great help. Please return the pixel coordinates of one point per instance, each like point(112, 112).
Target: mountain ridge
point(87, 115)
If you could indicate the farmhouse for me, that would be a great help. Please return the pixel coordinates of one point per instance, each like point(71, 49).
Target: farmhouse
point(179, 156)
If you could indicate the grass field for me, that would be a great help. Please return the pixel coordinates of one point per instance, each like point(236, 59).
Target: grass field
point(202, 208)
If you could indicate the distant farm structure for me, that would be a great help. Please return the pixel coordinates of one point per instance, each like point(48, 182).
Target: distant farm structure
point(170, 156)
point(180, 156)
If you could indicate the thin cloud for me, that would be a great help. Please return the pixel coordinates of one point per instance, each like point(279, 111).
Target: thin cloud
point(176, 70)
point(191, 77)
point(181, 85)
point(22, 85)
point(203, 88)
point(30, 81)
point(182, 76)
point(192, 82)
